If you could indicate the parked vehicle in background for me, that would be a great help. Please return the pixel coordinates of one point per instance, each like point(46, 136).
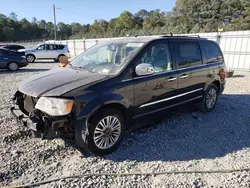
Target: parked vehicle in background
point(13, 47)
point(11, 60)
point(46, 51)
point(121, 83)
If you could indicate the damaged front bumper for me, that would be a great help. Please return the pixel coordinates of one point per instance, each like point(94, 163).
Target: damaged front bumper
point(23, 119)
point(38, 121)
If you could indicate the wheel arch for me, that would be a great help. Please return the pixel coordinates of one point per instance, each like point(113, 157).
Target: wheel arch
point(215, 80)
point(30, 54)
point(112, 105)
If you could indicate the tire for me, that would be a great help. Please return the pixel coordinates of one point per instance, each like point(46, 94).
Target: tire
point(93, 140)
point(13, 66)
point(30, 58)
point(209, 99)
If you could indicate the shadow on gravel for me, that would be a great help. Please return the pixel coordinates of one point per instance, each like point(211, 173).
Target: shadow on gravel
point(238, 76)
point(192, 135)
point(23, 70)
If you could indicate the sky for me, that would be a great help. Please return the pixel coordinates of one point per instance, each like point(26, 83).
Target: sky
point(82, 11)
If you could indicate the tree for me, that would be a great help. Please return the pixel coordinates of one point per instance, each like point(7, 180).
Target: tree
point(142, 14)
point(13, 16)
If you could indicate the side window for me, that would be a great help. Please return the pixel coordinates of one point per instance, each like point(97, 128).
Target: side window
point(42, 47)
point(55, 47)
point(159, 57)
point(5, 52)
point(51, 47)
point(187, 54)
point(212, 52)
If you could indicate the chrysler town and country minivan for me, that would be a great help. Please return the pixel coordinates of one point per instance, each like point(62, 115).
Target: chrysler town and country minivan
point(119, 84)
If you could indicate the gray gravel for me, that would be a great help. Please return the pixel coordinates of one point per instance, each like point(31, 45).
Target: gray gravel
point(186, 141)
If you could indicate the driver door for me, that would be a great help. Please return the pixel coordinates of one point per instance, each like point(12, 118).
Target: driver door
point(156, 92)
point(41, 52)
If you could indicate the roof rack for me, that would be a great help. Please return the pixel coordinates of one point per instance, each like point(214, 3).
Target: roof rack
point(176, 35)
point(169, 35)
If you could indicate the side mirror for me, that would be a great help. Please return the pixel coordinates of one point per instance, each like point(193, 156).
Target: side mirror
point(144, 69)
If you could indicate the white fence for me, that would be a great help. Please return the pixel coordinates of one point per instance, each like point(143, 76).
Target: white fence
point(235, 46)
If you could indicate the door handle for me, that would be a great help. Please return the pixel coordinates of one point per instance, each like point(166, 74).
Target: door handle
point(6, 58)
point(171, 79)
point(183, 76)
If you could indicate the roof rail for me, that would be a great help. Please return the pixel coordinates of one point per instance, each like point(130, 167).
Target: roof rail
point(188, 35)
point(169, 35)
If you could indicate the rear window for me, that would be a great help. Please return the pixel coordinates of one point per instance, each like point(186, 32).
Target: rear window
point(61, 47)
point(187, 54)
point(212, 52)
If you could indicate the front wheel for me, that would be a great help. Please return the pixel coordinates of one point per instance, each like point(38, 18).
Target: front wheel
point(30, 58)
point(209, 99)
point(13, 66)
point(105, 132)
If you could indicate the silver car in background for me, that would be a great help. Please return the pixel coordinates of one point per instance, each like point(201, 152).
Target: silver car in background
point(46, 51)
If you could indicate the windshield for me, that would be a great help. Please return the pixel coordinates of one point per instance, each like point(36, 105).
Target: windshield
point(107, 58)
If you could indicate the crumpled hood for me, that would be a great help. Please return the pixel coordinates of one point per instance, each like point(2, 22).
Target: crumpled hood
point(57, 82)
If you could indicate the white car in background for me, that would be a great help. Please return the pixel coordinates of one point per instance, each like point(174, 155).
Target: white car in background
point(46, 51)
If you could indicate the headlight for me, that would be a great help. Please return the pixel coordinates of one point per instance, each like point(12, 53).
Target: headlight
point(54, 106)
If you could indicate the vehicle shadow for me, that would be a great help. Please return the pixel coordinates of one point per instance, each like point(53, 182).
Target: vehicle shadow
point(238, 76)
point(23, 70)
point(191, 135)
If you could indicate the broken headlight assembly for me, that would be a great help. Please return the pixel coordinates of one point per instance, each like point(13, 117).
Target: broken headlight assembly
point(54, 106)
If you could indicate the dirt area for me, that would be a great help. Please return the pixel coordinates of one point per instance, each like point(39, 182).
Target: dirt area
point(186, 141)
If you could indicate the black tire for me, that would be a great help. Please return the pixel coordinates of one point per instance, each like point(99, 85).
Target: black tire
point(88, 136)
point(204, 105)
point(58, 58)
point(30, 58)
point(13, 66)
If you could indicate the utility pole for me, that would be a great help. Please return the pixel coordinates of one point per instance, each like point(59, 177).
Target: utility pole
point(54, 11)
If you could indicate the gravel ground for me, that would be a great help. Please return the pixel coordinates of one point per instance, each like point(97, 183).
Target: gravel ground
point(185, 141)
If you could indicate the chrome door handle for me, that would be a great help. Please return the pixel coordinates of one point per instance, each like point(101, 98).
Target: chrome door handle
point(5, 58)
point(171, 79)
point(183, 76)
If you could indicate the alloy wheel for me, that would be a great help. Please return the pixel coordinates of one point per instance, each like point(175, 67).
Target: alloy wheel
point(211, 98)
point(107, 132)
point(13, 66)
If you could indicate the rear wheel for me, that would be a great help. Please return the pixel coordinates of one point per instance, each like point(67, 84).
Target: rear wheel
point(105, 132)
point(209, 99)
point(13, 66)
point(30, 58)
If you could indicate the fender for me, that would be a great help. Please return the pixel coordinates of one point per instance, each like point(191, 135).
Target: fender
point(212, 79)
point(86, 108)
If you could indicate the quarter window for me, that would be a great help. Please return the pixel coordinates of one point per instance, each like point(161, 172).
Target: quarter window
point(159, 57)
point(187, 54)
point(212, 52)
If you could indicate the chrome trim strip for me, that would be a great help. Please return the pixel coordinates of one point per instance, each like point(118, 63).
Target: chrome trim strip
point(160, 109)
point(170, 98)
